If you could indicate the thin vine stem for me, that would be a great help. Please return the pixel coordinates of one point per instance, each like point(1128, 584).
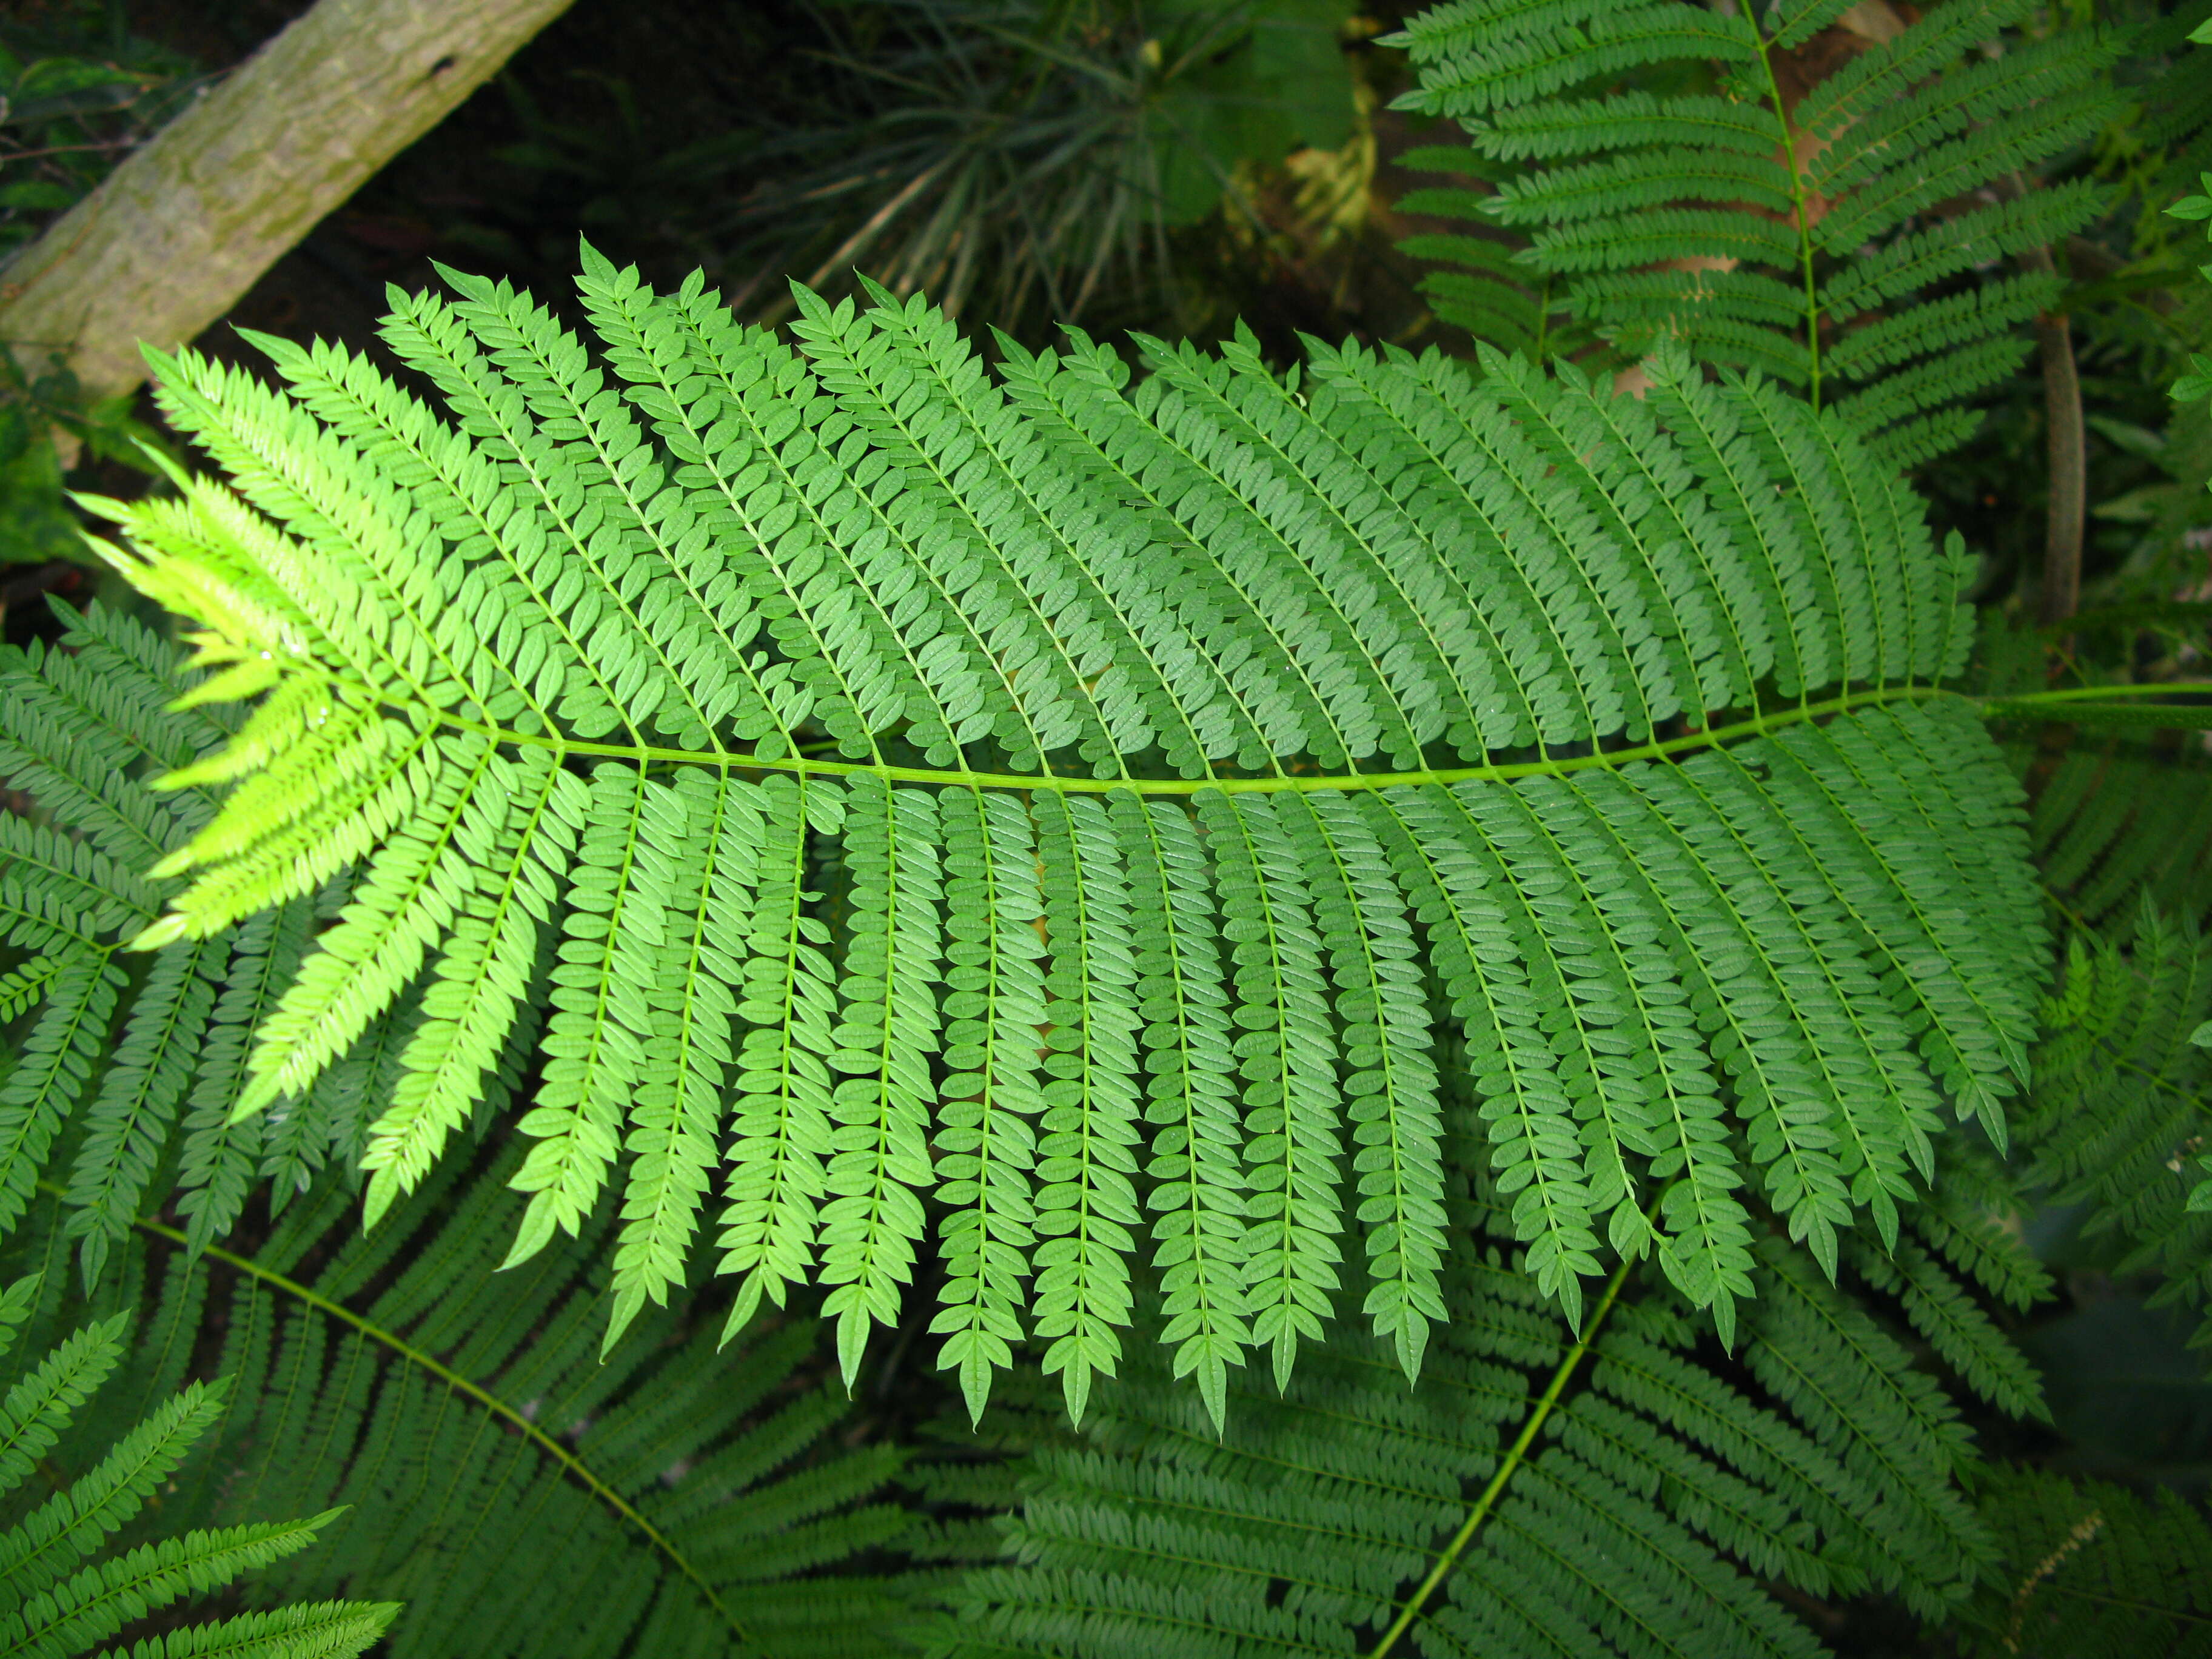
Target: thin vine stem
point(2086, 693)
point(452, 1379)
point(1517, 1455)
point(1800, 216)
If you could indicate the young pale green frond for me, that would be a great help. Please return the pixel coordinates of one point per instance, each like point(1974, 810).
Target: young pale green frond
point(1095, 923)
point(55, 1598)
point(479, 1464)
point(1610, 1492)
point(1799, 235)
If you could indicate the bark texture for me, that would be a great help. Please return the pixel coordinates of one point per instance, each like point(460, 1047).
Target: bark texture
point(2067, 448)
point(172, 238)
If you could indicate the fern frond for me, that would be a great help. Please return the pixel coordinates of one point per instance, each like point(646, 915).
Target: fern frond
point(1752, 228)
point(2093, 1569)
point(1391, 1083)
point(221, 1151)
point(1969, 1222)
point(1290, 1097)
point(1027, 787)
point(89, 724)
point(1199, 1190)
point(53, 1066)
point(1497, 60)
point(1086, 1201)
point(883, 1108)
point(320, 1631)
point(55, 890)
point(452, 1421)
point(995, 1008)
point(2119, 1112)
point(97, 1602)
point(1559, 127)
point(2116, 824)
point(41, 1402)
point(54, 1537)
point(128, 1124)
point(1470, 1513)
point(59, 740)
point(58, 1600)
point(477, 983)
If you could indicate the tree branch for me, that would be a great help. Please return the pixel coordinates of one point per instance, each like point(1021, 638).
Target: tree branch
point(172, 238)
point(2067, 446)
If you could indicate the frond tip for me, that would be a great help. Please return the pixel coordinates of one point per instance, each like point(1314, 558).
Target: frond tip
point(1043, 798)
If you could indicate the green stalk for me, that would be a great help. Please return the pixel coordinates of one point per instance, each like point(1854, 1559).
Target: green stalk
point(1799, 218)
point(1712, 737)
point(1517, 1455)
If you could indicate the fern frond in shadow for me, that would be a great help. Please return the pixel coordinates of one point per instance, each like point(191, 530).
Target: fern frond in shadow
point(59, 1595)
point(517, 1494)
point(2120, 1112)
point(1627, 1489)
point(2093, 1570)
point(2116, 822)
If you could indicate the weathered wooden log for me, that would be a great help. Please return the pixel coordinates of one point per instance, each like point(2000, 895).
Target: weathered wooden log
point(171, 239)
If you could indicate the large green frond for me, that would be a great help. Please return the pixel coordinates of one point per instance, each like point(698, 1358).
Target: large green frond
point(928, 774)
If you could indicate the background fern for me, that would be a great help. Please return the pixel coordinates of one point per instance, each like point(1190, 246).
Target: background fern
point(1626, 1492)
point(55, 1597)
point(2094, 1570)
point(80, 729)
point(1476, 279)
point(1835, 238)
point(479, 1464)
point(2118, 821)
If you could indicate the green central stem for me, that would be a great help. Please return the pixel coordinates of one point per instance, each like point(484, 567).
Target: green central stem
point(1800, 214)
point(1712, 737)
